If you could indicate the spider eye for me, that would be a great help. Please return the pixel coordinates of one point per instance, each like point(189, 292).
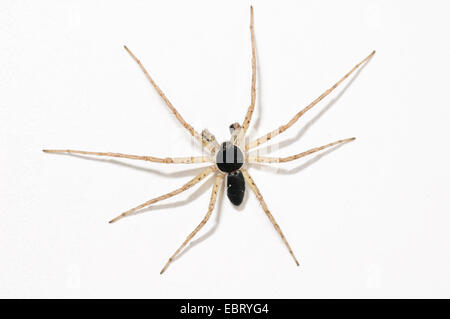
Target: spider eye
point(229, 158)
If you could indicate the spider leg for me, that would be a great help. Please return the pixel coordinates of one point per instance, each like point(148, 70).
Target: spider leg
point(255, 189)
point(186, 125)
point(206, 135)
point(283, 128)
point(171, 160)
point(251, 108)
point(212, 202)
point(186, 186)
point(262, 159)
point(235, 128)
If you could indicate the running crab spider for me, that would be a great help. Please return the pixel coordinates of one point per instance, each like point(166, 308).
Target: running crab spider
point(228, 159)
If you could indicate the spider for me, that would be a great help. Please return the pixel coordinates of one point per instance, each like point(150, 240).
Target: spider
point(229, 159)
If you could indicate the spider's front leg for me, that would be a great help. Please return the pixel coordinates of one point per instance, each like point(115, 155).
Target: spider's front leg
point(180, 119)
point(251, 108)
point(283, 128)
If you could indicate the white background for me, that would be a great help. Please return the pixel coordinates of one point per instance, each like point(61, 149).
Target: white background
point(369, 219)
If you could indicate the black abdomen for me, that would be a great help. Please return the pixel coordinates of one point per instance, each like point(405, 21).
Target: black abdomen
point(235, 187)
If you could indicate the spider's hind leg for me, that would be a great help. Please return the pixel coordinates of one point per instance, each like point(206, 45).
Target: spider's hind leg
point(255, 189)
point(212, 203)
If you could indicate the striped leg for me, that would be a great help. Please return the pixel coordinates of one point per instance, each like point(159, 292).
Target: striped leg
point(262, 159)
point(251, 108)
point(255, 189)
point(210, 138)
point(186, 186)
point(212, 203)
point(283, 128)
point(171, 160)
point(169, 104)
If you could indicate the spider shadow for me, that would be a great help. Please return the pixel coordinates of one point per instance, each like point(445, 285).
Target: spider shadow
point(182, 173)
point(284, 171)
point(311, 122)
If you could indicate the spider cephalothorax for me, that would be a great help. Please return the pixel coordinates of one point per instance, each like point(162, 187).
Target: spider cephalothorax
point(225, 159)
point(229, 159)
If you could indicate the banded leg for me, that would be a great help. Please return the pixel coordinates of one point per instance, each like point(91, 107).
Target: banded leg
point(235, 129)
point(255, 189)
point(171, 160)
point(283, 128)
point(212, 203)
point(262, 159)
point(186, 125)
point(208, 136)
point(251, 108)
point(186, 186)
